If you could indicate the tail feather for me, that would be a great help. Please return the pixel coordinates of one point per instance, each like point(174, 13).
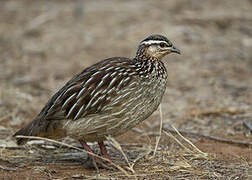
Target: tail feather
point(31, 129)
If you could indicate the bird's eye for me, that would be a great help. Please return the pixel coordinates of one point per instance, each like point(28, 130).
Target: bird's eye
point(162, 45)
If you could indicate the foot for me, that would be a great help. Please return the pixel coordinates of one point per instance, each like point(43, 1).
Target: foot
point(96, 162)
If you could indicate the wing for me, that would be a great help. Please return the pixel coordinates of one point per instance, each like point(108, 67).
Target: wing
point(90, 91)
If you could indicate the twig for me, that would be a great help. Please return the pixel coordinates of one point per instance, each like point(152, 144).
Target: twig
point(73, 147)
point(182, 145)
point(114, 143)
point(237, 142)
point(189, 142)
point(8, 168)
point(12, 147)
point(140, 156)
point(209, 137)
point(195, 149)
point(247, 125)
point(160, 130)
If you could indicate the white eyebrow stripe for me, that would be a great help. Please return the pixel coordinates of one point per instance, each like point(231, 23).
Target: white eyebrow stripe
point(153, 42)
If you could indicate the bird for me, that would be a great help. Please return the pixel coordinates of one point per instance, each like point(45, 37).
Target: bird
point(106, 99)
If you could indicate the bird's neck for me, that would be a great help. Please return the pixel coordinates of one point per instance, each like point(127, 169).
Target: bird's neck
point(149, 64)
point(142, 55)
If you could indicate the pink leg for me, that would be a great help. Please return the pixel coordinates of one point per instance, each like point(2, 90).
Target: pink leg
point(104, 150)
point(94, 159)
point(88, 149)
point(85, 146)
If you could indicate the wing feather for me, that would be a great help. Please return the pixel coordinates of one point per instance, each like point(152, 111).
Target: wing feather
point(89, 91)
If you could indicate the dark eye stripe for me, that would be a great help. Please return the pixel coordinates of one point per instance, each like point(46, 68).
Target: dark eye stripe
point(165, 45)
point(162, 45)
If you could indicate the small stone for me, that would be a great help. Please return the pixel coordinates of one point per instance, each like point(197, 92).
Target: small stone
point(36, 142)
point(48, 147)
point(78, 176)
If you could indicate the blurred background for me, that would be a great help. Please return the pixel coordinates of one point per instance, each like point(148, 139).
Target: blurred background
point(44, 43)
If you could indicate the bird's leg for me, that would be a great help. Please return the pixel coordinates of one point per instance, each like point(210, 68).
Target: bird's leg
point(104, 150)
point(88, 149)
point(95, 160)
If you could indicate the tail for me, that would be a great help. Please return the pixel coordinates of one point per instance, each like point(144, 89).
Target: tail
point(31, 129)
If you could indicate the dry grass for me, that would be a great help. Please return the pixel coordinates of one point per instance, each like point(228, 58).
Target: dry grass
point(184, 161)
point(208, 97)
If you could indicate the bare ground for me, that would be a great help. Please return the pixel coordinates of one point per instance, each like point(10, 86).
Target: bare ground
point(44, 43)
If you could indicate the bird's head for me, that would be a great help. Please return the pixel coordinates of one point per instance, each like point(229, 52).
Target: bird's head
point(155, 47)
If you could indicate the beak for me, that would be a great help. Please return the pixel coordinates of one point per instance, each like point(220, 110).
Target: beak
point(175, 50)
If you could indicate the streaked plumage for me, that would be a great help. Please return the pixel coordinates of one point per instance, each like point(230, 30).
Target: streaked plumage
point(107, 98)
